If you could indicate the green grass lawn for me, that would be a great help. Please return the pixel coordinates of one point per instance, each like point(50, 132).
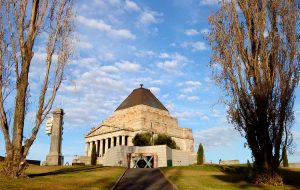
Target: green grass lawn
point(215, 177)
point(65, 177)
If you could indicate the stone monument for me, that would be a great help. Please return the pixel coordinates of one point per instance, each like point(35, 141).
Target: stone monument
point(55, 158)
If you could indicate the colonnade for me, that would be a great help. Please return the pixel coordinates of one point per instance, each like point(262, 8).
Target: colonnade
point(104, 144)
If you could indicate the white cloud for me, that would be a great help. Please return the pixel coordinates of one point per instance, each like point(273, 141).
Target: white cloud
point(205, 118)
point(164, 55)
point(85, 45)
point(191, 32)
point(205, 31)
point(195, 84)
point(125, 65)
point(184, 115)
point(147, 53)
point(190, 86)
point(188, 98)
point(208, 137)
point(107, 56)
point(106, 28)
point(192, 98)
point(208, 79)
point(109, 68)
point(195, 46)
point(181, 97)
point(131, 5)
point(169, 64)
point(209, 2)
point(155, 90)
point(149, 17)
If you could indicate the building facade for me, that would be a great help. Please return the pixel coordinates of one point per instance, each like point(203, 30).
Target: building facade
point(140, 112)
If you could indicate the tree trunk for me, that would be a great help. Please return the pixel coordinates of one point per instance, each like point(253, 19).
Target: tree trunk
point(15, 165)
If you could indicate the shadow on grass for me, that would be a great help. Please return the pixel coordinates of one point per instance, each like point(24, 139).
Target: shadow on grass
point(103, 184)
point(143, 178)
point(291, 177)
point(67, 170)
point(240, 174)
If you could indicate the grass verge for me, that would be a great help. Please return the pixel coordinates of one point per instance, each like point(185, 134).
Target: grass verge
point(216, 177)
point(64, 177)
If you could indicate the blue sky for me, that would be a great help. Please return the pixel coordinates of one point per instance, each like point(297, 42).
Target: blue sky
point(162, 44)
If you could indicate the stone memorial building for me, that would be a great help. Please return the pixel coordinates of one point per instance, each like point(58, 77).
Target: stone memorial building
point(140, 112)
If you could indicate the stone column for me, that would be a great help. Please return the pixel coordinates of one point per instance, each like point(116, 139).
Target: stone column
point(129, 141)
point(100, 148)
point(86, 149)
point(106, 145)
point(118, 141)
point(123, 140)
point(109, 143)
point(91, 148)
point(55, 157)
point(114, 141)
point(97, 148)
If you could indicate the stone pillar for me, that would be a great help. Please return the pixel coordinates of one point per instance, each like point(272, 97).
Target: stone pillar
point(97, 148)
point(106, 145)
point(55, 157)
point(103, 146)
point(118, 141)
point(91, 148)
point(129, 141)
point(86, 149)
point(123, 140)
point(113, 141)
point(100, 147)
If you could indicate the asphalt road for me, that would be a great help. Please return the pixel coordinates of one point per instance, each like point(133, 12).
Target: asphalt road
point(144, 179)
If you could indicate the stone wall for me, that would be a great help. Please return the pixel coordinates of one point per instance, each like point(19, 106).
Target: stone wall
point(294, 165)
point(82, 159)
point(142, 118)
point(229, 162)
point(182, 158)
point(117, 156)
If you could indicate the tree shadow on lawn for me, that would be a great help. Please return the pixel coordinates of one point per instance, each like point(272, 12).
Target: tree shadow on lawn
point(103, 183)
point(67, 170)
point(240, 174)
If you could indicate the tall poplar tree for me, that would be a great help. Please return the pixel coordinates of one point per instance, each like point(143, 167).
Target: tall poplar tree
point(255, 59)
point(200, 154)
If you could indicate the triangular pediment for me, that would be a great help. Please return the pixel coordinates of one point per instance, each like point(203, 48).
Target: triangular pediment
point(103, 129)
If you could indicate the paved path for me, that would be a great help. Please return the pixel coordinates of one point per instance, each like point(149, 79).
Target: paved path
point(144, 179)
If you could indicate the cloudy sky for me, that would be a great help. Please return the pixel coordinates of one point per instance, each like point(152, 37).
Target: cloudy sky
point(161, 44)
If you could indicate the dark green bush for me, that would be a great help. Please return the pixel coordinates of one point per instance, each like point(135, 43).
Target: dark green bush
point(142, 139)
point(163, 139)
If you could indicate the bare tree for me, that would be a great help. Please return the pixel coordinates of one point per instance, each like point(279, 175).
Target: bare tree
point(255, 58)
point(23, 25)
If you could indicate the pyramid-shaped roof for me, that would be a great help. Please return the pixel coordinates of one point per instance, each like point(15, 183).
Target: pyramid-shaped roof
point(141, 96)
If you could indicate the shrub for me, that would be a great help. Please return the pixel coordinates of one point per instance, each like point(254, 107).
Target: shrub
point(142, 139)
point(200, 154)
point(163, 139)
